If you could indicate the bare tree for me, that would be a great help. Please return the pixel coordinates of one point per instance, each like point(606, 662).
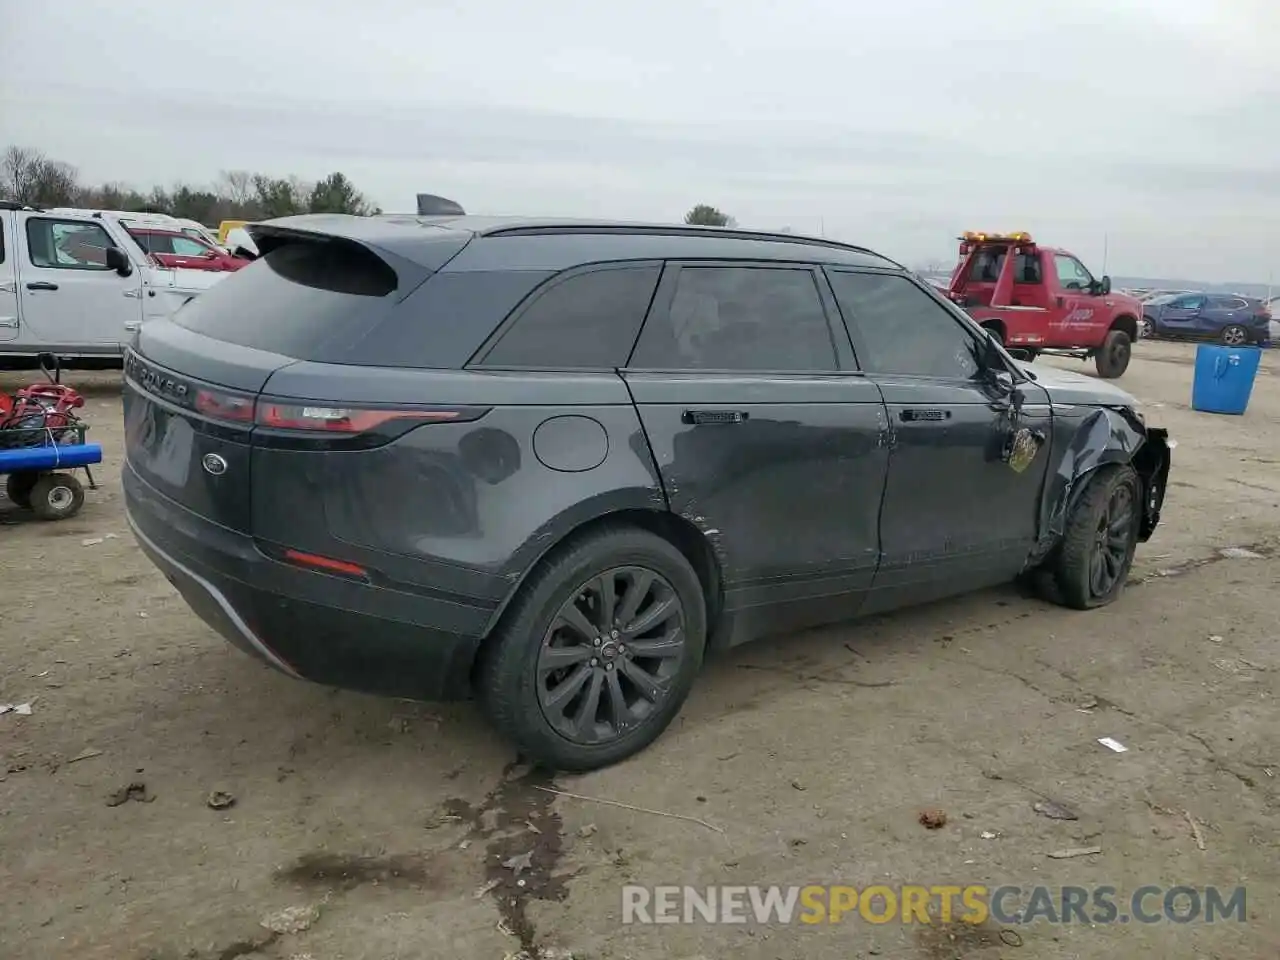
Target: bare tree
point(28, 176)
point(237, 187)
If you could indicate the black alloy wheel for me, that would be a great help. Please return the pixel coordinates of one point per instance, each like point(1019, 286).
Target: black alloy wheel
point(608, 659)
point(1113, 543)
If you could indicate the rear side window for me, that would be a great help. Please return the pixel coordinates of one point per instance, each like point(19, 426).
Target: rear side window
point(988, 263)
point(740, 318)
point(295, 300)
point(903, 329)
point(582, 321)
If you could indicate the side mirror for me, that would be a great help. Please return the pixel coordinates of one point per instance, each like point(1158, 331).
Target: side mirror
point(1104, 286)
point(118, 261)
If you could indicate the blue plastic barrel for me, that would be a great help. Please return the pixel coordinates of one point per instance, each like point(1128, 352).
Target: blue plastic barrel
point(1224, 378)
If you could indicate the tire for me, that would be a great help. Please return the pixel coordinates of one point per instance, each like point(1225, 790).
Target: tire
point(1234, 335)
point(516, 686)
point(56, 496)
point(995, 332)
point(17, 487)
point(1083, 541)
point(1112, 358)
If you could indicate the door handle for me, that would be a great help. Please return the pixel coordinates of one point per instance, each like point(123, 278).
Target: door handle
point(42, 285)
point(917, 415)
point(715, 416)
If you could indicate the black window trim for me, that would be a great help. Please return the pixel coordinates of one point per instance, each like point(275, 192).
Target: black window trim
point(481, 354)
point(966, 323)
point(68, 266)
point(2, 249)
point(664, 295)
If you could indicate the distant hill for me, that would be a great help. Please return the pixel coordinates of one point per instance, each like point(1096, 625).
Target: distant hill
point(1151, 283)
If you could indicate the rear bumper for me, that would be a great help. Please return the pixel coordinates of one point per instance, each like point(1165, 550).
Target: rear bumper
point(306, 624)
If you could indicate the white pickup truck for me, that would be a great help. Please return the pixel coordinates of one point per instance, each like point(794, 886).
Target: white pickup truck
point(76, 285)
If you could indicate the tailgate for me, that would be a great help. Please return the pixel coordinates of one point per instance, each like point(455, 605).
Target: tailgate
point(188, 414)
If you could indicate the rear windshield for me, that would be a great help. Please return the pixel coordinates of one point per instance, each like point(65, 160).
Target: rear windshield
point(295, 300)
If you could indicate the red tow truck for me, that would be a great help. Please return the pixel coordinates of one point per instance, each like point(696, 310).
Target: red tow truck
point(1043, 300)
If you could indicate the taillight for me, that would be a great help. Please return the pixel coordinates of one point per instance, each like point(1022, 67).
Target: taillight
point(224, 406)
point(347, 420)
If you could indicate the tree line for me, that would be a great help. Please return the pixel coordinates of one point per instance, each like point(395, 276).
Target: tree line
point(31, 177)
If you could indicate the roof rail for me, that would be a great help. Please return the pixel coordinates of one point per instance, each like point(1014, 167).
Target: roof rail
point(678, 230)
point(19, 205)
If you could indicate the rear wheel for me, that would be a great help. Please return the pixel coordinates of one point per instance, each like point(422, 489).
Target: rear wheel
point(17, 487)
point(56, 496)
point(596, 655)
point(1112, 358)
point(1101, 537)
point(1234, 335)
point(995, 330)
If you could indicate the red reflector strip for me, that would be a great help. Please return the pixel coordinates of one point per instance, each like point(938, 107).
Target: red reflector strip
point(325, 563)
point(224, 406)
point(340, 419)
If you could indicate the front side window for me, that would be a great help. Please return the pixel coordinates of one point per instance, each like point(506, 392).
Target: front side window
point(903, 330)
point(1191, 302)
point(67, 244)
point(740, 318)
point(186, 247)
point(1071, 273)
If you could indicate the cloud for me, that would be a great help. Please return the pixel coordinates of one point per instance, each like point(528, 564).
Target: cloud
point(899, 125)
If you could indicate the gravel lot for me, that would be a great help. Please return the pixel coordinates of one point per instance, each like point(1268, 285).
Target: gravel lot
point(813, 754)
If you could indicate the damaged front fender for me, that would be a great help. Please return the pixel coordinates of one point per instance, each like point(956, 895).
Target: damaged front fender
point(1105, 436)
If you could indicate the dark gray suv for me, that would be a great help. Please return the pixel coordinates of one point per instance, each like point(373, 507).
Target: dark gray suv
point(555, 463)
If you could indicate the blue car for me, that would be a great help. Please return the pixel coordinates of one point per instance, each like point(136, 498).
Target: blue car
point(1225, 317)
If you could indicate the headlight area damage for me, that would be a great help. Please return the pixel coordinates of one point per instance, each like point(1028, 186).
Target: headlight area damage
point(1107, 435)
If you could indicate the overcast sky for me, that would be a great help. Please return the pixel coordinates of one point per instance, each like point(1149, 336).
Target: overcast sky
point(1154, 123)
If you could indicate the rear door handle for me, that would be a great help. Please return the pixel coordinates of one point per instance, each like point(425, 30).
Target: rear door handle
point(715, 416)
point(42, 285)
point(915, 415)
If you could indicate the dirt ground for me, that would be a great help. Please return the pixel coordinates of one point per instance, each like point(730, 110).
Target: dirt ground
point(808, 758)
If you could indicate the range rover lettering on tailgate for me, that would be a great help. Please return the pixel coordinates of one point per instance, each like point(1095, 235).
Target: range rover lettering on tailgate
point(553, 464)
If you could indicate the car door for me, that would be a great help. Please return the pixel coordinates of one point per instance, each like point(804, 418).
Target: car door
point(766, 436)
point(1221, 311)
point(1074, 306)
point(955, 516)
point(68, 297)
point(1181, 317)
point(8, 280)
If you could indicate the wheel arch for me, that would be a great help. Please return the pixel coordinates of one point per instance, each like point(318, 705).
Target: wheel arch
point(681, 533)
point(996, 326)
point(1128, 323)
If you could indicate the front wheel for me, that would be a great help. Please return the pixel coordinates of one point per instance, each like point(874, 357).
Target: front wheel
point(1112, 358)
point(598, 652)
point(1100, 539)
point(56, 496)
point(1148, 329)
point(1234, 335)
